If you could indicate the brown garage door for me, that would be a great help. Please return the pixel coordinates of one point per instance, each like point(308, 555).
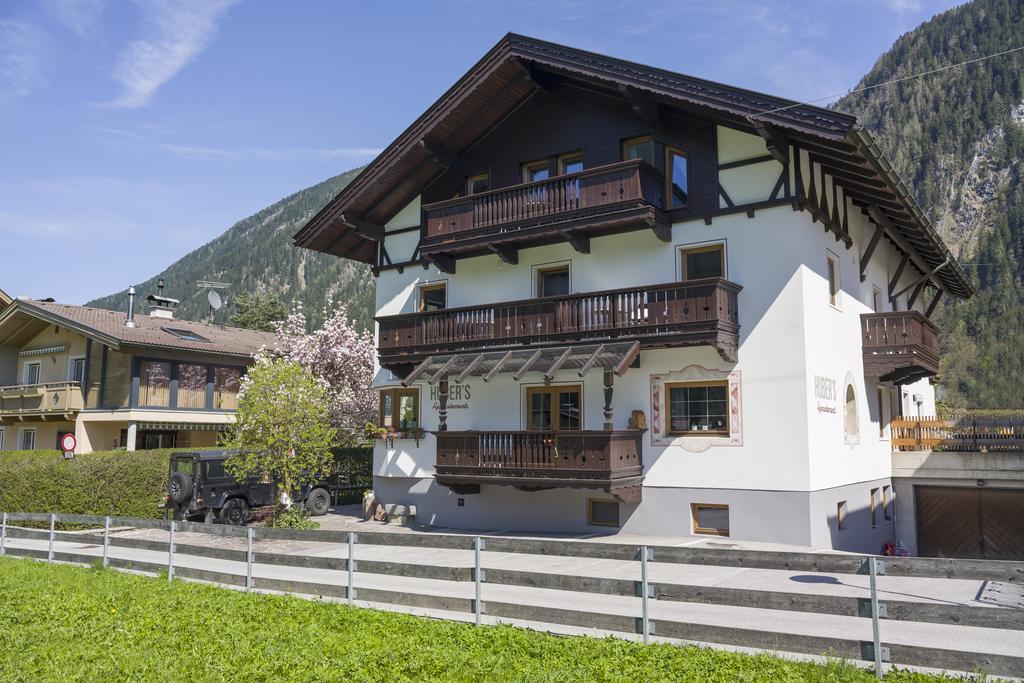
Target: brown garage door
point(970, 522)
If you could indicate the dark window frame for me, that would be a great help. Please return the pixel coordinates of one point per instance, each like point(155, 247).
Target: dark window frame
point(701, 249)
point(396, 407)
point(540, 272)
point(669, 152)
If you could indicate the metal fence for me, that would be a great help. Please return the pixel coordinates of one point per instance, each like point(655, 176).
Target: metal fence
point(645, 593)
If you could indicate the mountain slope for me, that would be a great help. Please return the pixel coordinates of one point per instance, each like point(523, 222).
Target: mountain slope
point(957, 137)
point(256, 254)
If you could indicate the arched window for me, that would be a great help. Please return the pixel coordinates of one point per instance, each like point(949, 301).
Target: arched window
point(851, 423)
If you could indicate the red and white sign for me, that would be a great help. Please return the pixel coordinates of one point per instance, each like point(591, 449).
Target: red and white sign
point(68, 443)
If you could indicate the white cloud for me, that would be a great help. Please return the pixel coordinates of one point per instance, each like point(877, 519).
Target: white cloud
point(173, 34)
point(24, 54)
point(901, 6)
point(81, 16)
point(201, 153)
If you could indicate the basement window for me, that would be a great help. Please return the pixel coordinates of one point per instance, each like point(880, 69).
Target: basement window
point(602, 512)
point(186, 335)
point(710, 519)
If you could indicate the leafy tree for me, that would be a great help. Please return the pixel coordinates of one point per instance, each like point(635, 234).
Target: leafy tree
point(258, 311)
point(282, 426)
point(342, 359)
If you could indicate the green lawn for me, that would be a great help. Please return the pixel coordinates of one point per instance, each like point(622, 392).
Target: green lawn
point(59, 622)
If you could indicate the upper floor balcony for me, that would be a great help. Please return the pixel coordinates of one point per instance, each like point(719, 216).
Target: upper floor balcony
point(899, 347)
point(56, 400)
point(574, 207)
point(693, 313)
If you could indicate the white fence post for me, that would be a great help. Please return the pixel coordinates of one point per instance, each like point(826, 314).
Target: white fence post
point(645, 595)
point(350, 591)
point(875, 630)
point(170, 554)
point(49, 553)
point(478, 579)
point(106, 540)
point(3, 535)
point(248, 558)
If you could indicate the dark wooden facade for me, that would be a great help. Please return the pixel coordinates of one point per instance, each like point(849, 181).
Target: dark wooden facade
point(695, 313)
point(899, 347)
point(606, 460)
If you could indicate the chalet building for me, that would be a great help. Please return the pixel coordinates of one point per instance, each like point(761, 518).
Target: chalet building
point(117, 380)
point(611, 296)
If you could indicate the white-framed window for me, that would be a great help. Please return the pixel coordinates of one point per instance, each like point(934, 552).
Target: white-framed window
point(703, 260)
point(28, 439)
point(832, 278)
point(76, 369)
point(32, 371)
point(552, 279)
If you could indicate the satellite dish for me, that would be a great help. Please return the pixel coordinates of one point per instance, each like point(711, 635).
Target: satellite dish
point(214, 298)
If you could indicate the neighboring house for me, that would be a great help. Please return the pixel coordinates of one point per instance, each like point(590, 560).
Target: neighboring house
point(117, 380)
point(615, 297)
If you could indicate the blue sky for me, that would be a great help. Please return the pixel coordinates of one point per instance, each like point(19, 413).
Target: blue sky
point(134, 132)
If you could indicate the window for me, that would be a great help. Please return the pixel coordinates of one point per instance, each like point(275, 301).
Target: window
point(400, 409)
point(215, 469)
point(117, 381)
point(851, 423)
point(602, 512)
point(433, 297)
point(32, 373)
point(711, 519)
point(702, 262)
point(554, 408)
point(553, 281)
point(841, 515)
point(536, 171)
point(638, 148)
point(874, 508)
point(186, 335)
point(833, 279)
point(886, 509)
point(475, 184)
point(192, 386)
point(697, 408)
point(1, 438)
point(225, 388)
point(155, 383)
point(876, 300)
point(76, 369)
point(28, 439)
point(675, 177)
point(570, 163)
point(881, 412)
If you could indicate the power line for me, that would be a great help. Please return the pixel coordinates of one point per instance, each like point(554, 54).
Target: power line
point(895, 80)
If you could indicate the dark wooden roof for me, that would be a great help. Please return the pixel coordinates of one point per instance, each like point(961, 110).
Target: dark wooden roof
point(509, 74)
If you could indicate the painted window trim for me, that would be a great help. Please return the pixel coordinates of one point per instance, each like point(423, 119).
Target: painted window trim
point(669, 151)
point(707, 531)
point(667, 388)
point(556, 390)
point(702, 247)
point(590, 513)
point(396, 404)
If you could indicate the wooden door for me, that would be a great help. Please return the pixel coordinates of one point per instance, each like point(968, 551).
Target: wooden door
point(966, 522)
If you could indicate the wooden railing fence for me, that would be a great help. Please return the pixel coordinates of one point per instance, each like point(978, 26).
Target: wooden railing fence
point(974, 434)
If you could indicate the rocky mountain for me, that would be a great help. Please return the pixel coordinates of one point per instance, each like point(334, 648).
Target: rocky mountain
point(256, 255)
point(957, 138)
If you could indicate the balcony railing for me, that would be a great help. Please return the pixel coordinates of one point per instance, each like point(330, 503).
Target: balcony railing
point(617, 195)
point(699, 312)
point(900, 346)
point(607, 460)
point(981, 434)
point(51, 399)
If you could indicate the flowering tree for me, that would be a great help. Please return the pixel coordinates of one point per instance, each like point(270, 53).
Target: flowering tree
point(341, 359)
point(282, 425)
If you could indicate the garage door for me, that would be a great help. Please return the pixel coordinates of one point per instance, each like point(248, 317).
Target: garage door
point(970, 522)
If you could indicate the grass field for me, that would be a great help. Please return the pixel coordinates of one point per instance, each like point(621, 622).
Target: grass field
point(59, 622)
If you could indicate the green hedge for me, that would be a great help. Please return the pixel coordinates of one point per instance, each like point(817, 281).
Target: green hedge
point(116, 483)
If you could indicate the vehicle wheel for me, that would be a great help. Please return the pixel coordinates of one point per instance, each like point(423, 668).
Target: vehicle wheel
point(235, 512)
point(179, 487)
point(319, 502)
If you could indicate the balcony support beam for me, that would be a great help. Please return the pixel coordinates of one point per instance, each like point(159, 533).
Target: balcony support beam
point(469, 368)
point(366, 229)
point(530, 362)
point(579, 242)
point(917, 293)
point(865, 258)
point(444, 263)
point(549, 374)
point(775, 142)
point(928, 275)
point(934, 303)
point(497, 367)
point(443, 370)
point(590, 361)
point(627, 360)
point(898, 274)
point(420, 369)
point(509, 255)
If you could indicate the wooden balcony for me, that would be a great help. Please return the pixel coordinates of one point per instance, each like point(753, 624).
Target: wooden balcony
point(694, 313)
point(54, 400)
point(573, 207)
point(605, 460)
point(965, 435)
point(899, 347)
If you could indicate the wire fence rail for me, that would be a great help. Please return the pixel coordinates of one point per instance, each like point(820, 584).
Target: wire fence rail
point(100, 545)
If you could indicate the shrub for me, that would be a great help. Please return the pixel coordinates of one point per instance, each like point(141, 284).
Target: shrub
point(295, 517)
point(117, 483)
